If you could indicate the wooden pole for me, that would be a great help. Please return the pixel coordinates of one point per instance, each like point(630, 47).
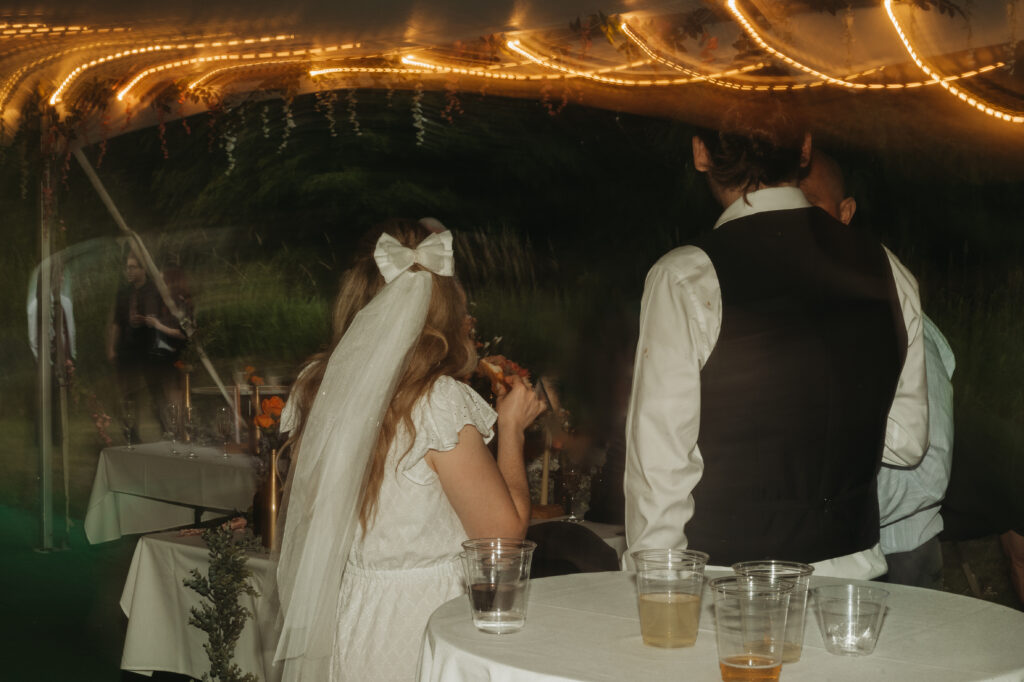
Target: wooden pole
point(545, 468)
point(44, 305)
point(61, 357)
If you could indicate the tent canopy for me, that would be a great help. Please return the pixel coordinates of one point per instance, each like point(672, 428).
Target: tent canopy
point(928, 76)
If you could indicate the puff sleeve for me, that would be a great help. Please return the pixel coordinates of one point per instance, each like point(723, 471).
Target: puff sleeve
point(438, 418)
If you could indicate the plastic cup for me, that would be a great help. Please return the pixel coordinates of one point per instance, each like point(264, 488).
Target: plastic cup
point(669, 583)
point(498, 582)
point(800, 575)
point(850, 617)
point(750, 626)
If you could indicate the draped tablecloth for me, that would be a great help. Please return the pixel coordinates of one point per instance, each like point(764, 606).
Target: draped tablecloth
point(586, 627)
point(147, 488)
point(157, 604)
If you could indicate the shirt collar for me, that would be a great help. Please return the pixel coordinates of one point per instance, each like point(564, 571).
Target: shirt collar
point(768, 199)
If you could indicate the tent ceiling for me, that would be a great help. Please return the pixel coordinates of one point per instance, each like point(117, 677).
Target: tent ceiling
point(846, 65)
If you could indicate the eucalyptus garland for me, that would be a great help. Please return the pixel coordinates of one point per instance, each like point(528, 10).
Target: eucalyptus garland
point(220, 615)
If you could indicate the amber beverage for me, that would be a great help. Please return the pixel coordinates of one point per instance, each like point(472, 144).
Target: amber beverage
point(669, 583)
point(669, 620)
point(798, 574)
point(749, 668)
point(750, 626)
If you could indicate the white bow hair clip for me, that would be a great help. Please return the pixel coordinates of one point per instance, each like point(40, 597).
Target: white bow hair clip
point(435, 253)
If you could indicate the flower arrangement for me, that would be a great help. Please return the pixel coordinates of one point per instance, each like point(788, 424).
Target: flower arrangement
point(251, 377)
point(268, 422)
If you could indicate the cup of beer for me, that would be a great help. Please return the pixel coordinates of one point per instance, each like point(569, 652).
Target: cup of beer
point(498, 582)
point(669, 583)
point(750, 626)
point(800, 575)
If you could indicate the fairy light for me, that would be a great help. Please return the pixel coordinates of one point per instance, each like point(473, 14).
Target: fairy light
point(216, 72)
point(81, 68)
point(169, 65)
point(963, 96)
point(598, 75)
point(756, 37)
point(42, 30)
point(733, 85)
point(517, 47)
point(364, 69)
point(480, 73)
point(11, 82)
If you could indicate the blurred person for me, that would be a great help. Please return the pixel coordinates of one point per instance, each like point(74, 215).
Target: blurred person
point(908, 499)
point(780, 360)
point(67, 310)
point(133, 345)
point(391, 471)
point(59, 376)
point(169, 339)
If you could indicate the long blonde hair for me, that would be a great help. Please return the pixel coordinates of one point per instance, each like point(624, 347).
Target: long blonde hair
point(443, 349)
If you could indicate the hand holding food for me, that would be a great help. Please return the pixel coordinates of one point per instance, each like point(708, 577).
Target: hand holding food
point(499, 370)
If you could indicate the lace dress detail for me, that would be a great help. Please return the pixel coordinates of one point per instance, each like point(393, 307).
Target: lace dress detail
point(407, 563)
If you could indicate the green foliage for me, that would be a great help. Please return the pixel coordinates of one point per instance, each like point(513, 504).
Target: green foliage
point(220, 616)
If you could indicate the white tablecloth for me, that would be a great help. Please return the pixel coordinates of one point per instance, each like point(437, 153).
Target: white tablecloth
point(147, 488)
point(586, 627)
point(157, 604)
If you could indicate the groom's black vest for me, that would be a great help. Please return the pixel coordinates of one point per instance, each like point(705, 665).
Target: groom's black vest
point(796, 393)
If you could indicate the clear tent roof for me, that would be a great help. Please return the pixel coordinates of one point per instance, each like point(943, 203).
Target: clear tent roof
point(916, 74)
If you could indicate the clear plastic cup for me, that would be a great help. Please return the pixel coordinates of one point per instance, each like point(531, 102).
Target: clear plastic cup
point(498, 582)
point(750, 626)
point(800, 575)
point(850, 617)
point(669, 583)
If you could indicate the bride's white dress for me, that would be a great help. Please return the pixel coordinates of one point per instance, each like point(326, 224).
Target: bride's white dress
point(407, 563)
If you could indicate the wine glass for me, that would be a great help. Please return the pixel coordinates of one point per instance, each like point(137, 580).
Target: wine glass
point(189, 429)
point(571, 486)
point(172, 418)
point(225, 426)
point(128, 419)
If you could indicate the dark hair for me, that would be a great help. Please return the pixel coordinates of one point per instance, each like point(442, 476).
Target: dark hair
point(758, 143)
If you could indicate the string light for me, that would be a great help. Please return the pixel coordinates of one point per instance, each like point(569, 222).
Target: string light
point(639, 42)
point(81, 68)
point(963, 96)
point(517, 47)
point(756, 37)
point(11, 82)
point(216, 72)
point(364, 69)
point(221, 57)
point(481, 73)
point(599, 76)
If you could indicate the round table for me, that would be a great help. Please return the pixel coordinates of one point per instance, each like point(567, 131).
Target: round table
point(586, 627)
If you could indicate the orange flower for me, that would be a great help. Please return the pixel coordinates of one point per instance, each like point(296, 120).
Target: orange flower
point(272, 406)
point(264, 421)
point(255, 380)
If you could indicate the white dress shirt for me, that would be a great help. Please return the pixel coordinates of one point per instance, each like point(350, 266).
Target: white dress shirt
point(909, 499)
point(680, 319)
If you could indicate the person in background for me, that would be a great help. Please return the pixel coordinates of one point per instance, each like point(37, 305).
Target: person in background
point(908, 499)
point(169, 339)
point(131, 339)
point(780, 360)
point(59, 375)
